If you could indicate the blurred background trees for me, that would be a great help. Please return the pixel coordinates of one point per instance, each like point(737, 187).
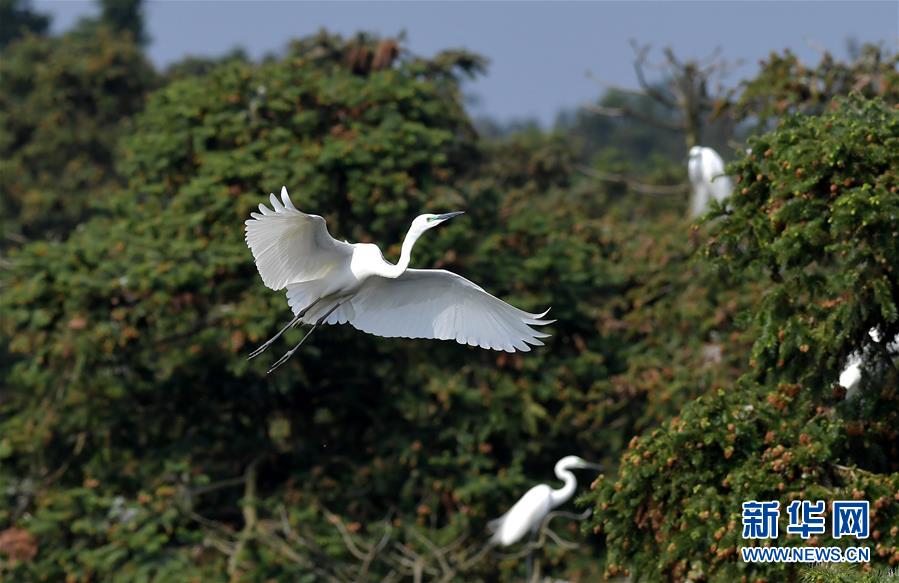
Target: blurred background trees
point(18, 19)
point(137, 443)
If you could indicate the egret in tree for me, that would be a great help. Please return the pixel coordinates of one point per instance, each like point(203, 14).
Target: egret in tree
point(852, 373)
point(706, 171)
point(528, 513)
point(334, 282)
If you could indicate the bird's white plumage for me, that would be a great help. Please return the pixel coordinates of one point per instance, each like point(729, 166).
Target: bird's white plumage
point(528, 513)
point(292, 246)
point(438, 304)
point(852, 372)
point(525, 516)
point(352, 283)
point(706, 172)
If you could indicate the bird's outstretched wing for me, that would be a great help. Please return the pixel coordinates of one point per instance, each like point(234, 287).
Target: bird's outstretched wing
point(290, 246)
point(434, 303)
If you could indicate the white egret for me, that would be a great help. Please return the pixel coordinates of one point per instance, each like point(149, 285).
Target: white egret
point(852, 373)
point(706, 171)
point(334, 282)
point(528, 513)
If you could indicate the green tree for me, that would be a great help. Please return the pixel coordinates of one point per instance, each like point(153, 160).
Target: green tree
point(785, 85)
point(135, 429)
point(167, 303)
point(191, 66)
point(17, 19)
point(815, 209)
point(64, 103)
point(125, 15)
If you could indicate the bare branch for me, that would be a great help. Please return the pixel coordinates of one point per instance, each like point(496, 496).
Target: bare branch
point(545, 532)
point(639, 64)
point(438, 553)
point(613, 86)
point(632, 113)
point(817, 47)
point(712, 59)
point(213, 486)
point(250, 517)
point(345, 535)
point(375, 549)
point(16, 238)
point(642, 188)
point(471, 561)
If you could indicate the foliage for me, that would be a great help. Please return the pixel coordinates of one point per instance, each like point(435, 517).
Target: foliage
point(192, 66)
point(629, 136)
point(815, 209)
point(134, 417)
point(137, 443)
point(146, 317)
point(125, 15)
point(785, 85)
point(18, 19)
point(817, 206)
point(840, 573)
point(64, 103)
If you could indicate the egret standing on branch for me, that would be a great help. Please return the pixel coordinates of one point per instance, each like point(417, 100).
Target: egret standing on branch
point(334, 282)
point(527, 514)
point(706, 171)
point(851, 375)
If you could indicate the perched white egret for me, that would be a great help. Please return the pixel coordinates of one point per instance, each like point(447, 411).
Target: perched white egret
point(528, 513)
point(706, 171)
point(334, 282)
point(852, 373)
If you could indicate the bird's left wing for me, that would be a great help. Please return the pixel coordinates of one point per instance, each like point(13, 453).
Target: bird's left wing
point(291, 246)
point(434, 303)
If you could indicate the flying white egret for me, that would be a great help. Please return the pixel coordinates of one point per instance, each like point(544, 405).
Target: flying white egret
point(706, 171)
point(528, 513)
point(334, 282)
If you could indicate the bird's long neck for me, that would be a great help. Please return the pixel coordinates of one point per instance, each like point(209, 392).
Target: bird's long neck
point(563, 494)
point(394, 271)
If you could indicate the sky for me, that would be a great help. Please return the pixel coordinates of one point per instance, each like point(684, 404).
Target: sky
point(540, 53)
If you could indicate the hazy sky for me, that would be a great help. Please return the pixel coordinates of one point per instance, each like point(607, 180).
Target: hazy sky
point(539, 52)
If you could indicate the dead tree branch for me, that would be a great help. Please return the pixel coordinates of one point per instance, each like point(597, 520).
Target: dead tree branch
point(688, 88)
point(636, 186)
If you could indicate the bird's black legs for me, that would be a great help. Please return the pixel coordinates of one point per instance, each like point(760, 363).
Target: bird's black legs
point(290, 352)
point(290, 324)
point(530, 559)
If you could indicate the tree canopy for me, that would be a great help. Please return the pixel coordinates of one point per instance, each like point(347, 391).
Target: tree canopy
point(697, 362)
point(816, 212)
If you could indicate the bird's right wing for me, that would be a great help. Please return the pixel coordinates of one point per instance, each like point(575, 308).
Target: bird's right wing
point(434, 303)
point(291, 246)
